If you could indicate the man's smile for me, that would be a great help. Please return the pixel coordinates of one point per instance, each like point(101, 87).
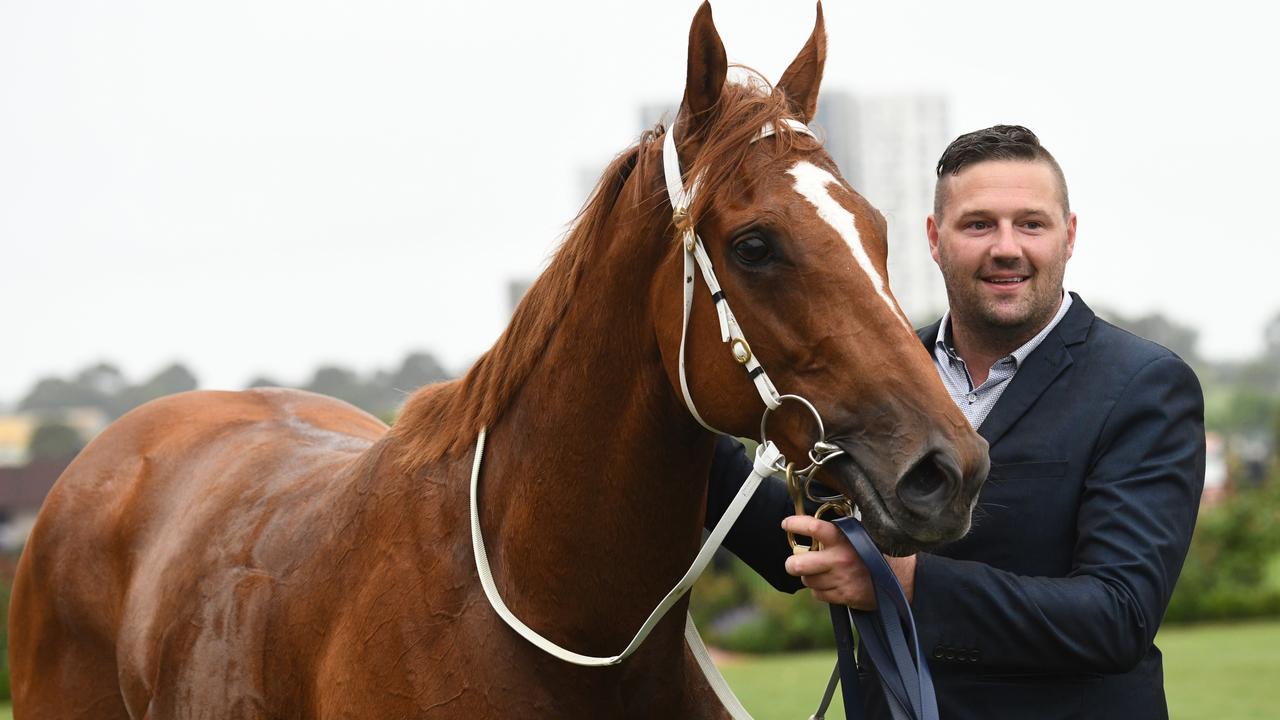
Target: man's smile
point(1005, 281)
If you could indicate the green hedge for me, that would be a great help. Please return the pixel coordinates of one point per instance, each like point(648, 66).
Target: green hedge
point(1231, 572)
point(736, 609)
point(1233, 568)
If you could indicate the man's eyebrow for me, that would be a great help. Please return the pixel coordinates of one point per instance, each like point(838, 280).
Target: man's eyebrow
point(1021, 212)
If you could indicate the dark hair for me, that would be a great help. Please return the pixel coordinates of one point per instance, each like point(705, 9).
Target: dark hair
point(998, 142)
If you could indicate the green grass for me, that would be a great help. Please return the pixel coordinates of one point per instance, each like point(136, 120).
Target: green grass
point(785, 687)
point(1212, 672)
point(1222, 670)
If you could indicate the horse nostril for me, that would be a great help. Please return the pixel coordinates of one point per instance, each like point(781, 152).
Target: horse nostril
point(927, 486)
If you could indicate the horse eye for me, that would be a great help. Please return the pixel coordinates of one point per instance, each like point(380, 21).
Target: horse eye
point(752, 250)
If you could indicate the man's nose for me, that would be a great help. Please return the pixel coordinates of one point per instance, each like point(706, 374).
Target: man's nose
point(1006, 242)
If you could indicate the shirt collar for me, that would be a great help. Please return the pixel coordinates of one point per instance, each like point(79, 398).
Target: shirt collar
point(943, 342)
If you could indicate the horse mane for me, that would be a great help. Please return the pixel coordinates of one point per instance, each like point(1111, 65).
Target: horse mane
point(445, 418)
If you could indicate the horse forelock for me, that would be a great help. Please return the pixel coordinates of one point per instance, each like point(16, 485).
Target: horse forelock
point(444, 419)
point(725, 139)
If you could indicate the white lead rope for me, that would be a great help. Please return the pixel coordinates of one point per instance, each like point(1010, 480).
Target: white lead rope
point(766, 456)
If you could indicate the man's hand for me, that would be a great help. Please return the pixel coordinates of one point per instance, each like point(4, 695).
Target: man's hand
point(835, 573)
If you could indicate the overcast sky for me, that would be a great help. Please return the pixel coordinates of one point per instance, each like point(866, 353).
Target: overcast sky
point(258, 187)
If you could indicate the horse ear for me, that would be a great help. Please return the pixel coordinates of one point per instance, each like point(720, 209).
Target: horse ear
point(708, 68)
point(800, 82)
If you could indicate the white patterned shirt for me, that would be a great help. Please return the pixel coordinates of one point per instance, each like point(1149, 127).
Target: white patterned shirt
point(976, 403)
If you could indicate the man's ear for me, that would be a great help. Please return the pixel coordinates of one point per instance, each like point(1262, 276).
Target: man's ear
point(801, 80)
point(1071, 235)
point(931, 229)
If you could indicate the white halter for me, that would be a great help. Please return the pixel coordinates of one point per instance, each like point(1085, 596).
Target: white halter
point(730, 330)
point(768, 457)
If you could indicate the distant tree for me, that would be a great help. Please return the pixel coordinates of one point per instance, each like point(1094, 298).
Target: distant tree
point(343, 384)
point(394, 387)
point(1241, 410)
point(380, 394)
point(57, 394)
point(1271, 338)
point(103, 378)
point(1262, 375)
point(418, 369)
point(54, 441)
point(1157, 328)
point(175, 378)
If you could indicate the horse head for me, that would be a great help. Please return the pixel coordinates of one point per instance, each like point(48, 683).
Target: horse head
point(801, 259)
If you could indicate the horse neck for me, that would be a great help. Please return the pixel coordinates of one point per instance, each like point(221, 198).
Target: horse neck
point(593, 485)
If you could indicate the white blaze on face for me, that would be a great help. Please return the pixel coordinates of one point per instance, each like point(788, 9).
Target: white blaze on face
point(812, 182)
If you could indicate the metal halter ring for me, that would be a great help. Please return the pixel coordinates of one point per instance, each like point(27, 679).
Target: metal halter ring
point(822, 450)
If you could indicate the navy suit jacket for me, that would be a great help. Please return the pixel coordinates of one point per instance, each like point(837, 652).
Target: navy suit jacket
point(1049, 606)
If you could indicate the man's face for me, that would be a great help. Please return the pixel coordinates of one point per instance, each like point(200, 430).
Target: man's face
point(1002, 243)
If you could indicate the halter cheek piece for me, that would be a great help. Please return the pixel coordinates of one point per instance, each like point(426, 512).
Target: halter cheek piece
point(696, 254)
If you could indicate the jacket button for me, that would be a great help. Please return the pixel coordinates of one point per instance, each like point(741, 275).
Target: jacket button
point(975, 655)
point(937, 652)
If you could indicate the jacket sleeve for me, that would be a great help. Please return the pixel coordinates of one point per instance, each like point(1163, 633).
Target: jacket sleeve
point(757, 537)
point(1138, 508)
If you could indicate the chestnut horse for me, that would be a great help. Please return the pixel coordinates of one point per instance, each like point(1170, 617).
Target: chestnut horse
point(277, 554)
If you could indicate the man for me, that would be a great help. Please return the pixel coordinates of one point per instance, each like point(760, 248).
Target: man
point(1048, 608)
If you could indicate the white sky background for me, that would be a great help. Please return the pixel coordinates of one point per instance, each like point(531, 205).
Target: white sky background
point(259, 187)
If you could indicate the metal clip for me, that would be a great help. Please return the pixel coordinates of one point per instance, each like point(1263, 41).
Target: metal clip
point(680, 216)
point(822, 452)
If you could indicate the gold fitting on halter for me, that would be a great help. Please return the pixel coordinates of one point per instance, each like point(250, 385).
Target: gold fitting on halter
point(680, 216)
point(796, 489)
point(741, 350)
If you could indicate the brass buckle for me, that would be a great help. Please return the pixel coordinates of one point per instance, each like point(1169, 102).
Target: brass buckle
point(797, 487)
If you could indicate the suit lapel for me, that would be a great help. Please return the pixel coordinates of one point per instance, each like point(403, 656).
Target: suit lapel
point(1040, 369)
point(929, 335)
point(1037, 373)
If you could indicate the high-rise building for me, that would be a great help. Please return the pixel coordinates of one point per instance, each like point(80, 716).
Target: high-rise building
point(886, 147)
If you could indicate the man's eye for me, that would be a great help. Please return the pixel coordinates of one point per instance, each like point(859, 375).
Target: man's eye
point(752, 249)
point(979, 225)
point(1033, 225)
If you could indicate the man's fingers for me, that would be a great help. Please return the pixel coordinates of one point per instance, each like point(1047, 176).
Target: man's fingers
point(821, 530)
point(808, 563)
point(820, 583)
point(814, 562)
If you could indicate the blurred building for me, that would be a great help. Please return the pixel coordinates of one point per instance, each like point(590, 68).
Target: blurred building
point(22, 491)
point(15, 438)
point(16, 431)
point(24, 479)
point(1215, 470)
point(886, 147)
point(516, 288)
